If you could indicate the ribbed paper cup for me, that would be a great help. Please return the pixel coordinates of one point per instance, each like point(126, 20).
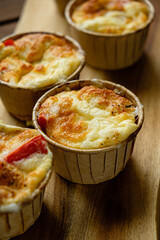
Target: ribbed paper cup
point(20, 101)
point(15, 219)
point(109, 51)
point(61, 5)
point(90, 166)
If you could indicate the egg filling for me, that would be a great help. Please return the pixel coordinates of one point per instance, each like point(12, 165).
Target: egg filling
point(25, 160)
point(37, 60)
point(111, 16)
point(88, 118)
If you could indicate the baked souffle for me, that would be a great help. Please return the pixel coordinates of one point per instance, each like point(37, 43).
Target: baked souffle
point(111, 16)
point(25, 161)
point(38, 60)
point(88, 118)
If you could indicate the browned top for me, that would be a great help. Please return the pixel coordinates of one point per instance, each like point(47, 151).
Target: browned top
point(20, 173)
point(37, 59)
point(32, 47)
point(111, 16)
point(70, 118)
point(11, 179)
point(94, 8)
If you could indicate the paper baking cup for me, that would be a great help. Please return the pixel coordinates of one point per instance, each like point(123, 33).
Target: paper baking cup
point(111, 51)
point(15, 219)
point(61, 5)
point(90, 166)
point(20, 101)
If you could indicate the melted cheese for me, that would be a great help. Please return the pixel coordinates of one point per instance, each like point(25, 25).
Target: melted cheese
point(111, 16)
point(88, 118)
point(38, 60)
point(19, 179)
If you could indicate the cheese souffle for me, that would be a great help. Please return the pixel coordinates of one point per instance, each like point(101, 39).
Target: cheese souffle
point(112, 32)
point(88, 118)
point(111, 16)
point(91, 126)
point(38, 60)
point(25, 160)
point(32, 63)
point(25, 167)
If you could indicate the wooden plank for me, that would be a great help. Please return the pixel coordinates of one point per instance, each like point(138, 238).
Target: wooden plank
point(127, 207)
point(7, 28)
point(10, 9)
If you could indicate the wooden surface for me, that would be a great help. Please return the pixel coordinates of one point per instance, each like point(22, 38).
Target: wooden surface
point(9, 14)
point(127, 207)
point(10, 9)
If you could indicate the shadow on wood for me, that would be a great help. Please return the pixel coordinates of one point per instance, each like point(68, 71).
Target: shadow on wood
point(158, 214)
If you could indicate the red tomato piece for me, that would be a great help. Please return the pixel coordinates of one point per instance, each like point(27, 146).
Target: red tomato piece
point(35, 145)
point(9, 42)
point(42, 122)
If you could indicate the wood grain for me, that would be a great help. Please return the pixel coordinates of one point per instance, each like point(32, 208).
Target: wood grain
point(127, 207)
point(10, 9)
point(7, 28)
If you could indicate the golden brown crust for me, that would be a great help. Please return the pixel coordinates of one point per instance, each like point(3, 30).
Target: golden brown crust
point(99, 7)
point(11, 179)
point(68, 128)
point(34, 57)
point(111, 16)
point(10, 176)
point(70, 118)
point(11, 140)
point(33, 46)
point(107, 99)
point(24, 162)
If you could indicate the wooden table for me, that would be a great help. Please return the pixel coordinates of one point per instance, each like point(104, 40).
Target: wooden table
point(9, 14)
point(127, 207)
